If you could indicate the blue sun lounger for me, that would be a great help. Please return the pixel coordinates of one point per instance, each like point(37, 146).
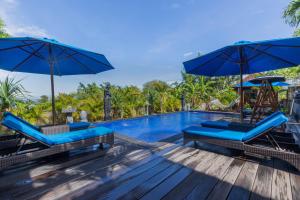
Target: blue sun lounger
point(222, 124)
point(72, 126)
point(48, 144)
point(248, 141)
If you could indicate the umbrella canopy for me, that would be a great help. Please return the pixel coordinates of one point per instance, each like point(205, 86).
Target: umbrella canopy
point(253, 57)
point(47, 56)
point(246, 58)
point(249, 84)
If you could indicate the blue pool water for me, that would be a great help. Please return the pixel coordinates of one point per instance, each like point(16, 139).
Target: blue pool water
point(157, 127)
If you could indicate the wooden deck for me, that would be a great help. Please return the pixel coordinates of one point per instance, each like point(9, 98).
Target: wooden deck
point(162, 171)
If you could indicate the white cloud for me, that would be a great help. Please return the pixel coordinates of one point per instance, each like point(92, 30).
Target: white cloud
point(187, 54)
point(26, 30)
point(10, 1)
point(14, 27)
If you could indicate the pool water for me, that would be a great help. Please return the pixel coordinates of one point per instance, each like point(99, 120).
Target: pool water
point(157, 127)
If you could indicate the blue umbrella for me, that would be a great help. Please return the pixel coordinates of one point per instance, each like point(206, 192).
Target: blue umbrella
point(246, 58)
point(47, 56)
point(249, 84)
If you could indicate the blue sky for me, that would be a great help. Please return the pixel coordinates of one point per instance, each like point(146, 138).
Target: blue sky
point(143, 39)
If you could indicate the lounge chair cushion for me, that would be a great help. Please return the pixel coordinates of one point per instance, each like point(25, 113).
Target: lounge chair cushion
point(268, 118)
point(73, 136)
point(60, 138)
point(215, 133)
point(22, 120)
point(274, 122)
point(222, 124)
point(78, 125)
point(237, 135)
point(13, 123)
point(216, 124)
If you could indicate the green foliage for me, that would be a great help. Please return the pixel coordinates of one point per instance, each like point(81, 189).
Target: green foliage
point(289, 73)
point(90, 99)
point(201, 89)
point(128, 101)
point(292, 13)
point(3, 33)
point(158, 93)
point(10, 91)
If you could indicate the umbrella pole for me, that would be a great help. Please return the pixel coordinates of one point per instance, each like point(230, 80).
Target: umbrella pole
point(241, 85)
point(241, 96)
point(53, 95)
point(51, 63)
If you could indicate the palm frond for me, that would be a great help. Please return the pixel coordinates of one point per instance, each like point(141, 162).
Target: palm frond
point(292, 13)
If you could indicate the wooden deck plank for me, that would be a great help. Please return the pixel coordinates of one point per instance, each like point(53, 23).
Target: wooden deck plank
point(147, 186)
point(163, 170)
point(223, 187)
point(99, 174)
point(281, 185)
point(188, 184)
point(125, 187)
point(42, 170)
point(172, 181)
point(295, 184)
point(215, 173)
point(179, 190)
point(68, 174)
point(262, 187)
point(122, 174)
point(146, 164)
point(80, 180)
point(243, 185)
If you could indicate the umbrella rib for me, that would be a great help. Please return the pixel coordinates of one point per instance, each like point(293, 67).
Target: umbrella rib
point(68, 56)
point(210, 60)
point(273, 56)
point(268, 47)
point(229, 58)
point(27, 51)
point(27, 58)
point(87, 56)
point(41, 57)
point(277, 45)
point(25, 45)
point(71, 56)
point(219, 55)
point(224, 63)
point(93, 59)
point(61, 53)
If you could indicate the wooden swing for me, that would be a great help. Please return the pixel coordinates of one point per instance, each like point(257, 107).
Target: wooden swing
point(267, 97)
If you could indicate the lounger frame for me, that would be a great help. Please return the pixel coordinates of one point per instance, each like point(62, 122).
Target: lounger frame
point(290, 157)
point(47, 150)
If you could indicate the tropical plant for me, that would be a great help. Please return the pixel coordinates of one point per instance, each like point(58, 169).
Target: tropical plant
point(157, 93)
point(3, 33)
point(292, 13)
point(10, 91)
point(289, 73)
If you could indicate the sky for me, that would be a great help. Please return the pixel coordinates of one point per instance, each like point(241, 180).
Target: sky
point(143, 39)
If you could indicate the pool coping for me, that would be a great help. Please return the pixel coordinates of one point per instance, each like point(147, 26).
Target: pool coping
point(161, 114)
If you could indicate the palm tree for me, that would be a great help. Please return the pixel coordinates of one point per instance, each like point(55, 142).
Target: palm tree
point(3, 33)
point(157, 92)
point(10, 92)
point(292, 14)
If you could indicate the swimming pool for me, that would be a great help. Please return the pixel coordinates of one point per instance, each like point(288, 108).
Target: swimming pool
point(157, 127)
